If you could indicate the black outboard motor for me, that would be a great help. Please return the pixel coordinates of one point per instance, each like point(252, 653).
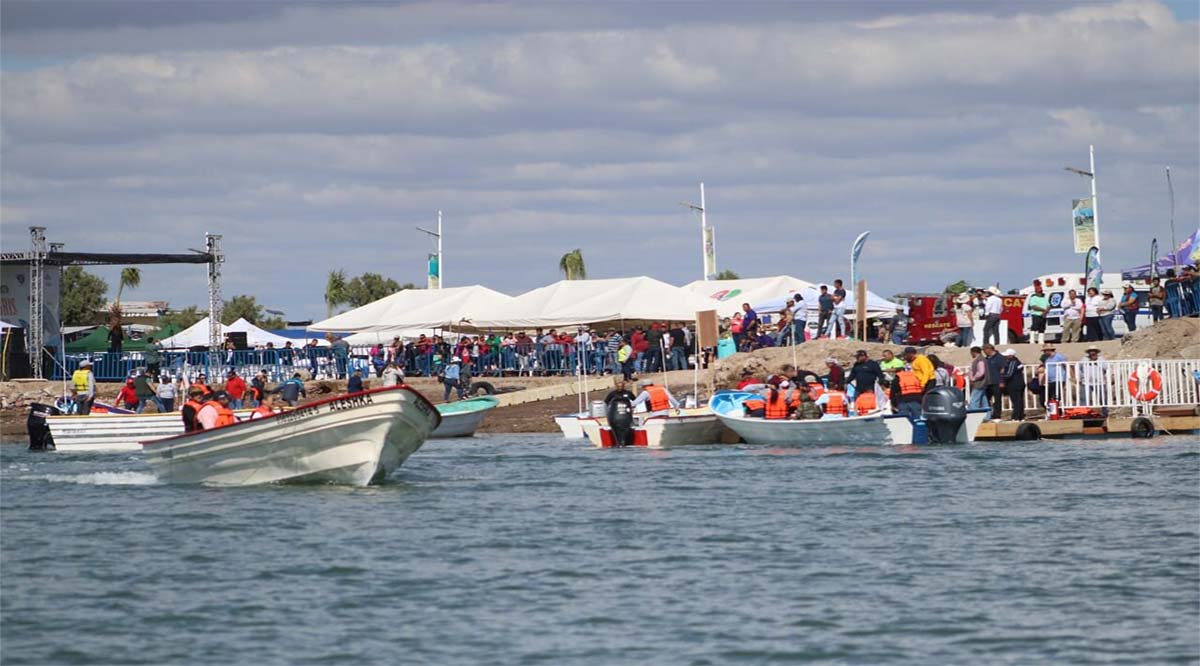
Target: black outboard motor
point(39, 432)
point(620, 420)
point(945, 410)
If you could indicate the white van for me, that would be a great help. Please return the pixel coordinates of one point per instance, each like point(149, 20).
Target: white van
point(1056, 286)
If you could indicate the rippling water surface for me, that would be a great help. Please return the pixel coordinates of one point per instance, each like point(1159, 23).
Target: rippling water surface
point(523, 549)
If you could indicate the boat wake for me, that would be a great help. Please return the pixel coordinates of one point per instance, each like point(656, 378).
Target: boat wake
point(98, 478)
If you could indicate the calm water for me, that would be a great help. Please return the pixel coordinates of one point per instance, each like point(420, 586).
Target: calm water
point(533, 550)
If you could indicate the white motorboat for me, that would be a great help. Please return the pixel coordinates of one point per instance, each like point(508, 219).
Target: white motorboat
point(354, 439)
point(463, 418)
point(876, 428)
point(570, 424)
point(115, 431)
point(683, 427)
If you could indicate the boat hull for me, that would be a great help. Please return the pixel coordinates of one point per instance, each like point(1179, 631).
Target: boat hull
point(570, 425)
point(114, 433)
point(656, 432)
point(465, 418)
point(355, 439)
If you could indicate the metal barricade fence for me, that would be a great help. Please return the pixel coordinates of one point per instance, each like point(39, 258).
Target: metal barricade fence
point(510, 360)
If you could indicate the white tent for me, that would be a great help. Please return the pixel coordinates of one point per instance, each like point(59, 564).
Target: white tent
point(196, 335)
point(416, 309)
point(729, 295)
point(570, 302)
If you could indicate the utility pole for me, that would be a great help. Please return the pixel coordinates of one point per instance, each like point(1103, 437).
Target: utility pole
point(435, 282)
point(708, 240)
point(37, 300)
point(1171, 193)
point(1091, 174)
point(212, 245)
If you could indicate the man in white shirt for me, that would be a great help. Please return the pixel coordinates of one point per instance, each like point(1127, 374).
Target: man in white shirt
point(991, 312)
point(1072, 316)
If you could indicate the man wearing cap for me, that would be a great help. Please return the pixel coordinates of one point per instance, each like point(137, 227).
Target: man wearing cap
point(235, 386)
point(657, 399)
point(1056, 370)
point(84, 383)
point(992, 309)
point(1012, 384)
point(898, 327)
point(864, 374)
point(291, 390)
point(921, 366)
point(1091, 374)
point(450, 376)
point(216, 412)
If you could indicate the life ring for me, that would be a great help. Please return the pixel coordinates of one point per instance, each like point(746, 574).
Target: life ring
point(1149, 393)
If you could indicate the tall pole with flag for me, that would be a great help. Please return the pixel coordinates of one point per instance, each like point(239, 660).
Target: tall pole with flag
point(708, 241)
point(1174, 245)
point(434, 261)
point(1087, 213)
point(860, 305)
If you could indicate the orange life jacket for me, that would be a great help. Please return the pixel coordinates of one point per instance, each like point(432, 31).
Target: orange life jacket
point(836, 403)
point(754, 405)
point(658, 398)
point(960, 379)
point(865, 403)
point(909, 384)
point(224, 415)
point(203, 386)
point(777, 405)
point(816, 390)
point(194, 423)
point(263, 410)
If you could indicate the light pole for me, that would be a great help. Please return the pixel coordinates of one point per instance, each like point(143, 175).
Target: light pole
point(1171, 193)
point(708, 241)
point(435, 282)
point(1091, 174)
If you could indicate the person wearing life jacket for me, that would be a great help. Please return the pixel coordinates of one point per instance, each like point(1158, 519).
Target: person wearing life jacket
point(907, 391)
point(1144, 383)
point(806, 409)
point(835, 403)
point(216, 412)
point(266, 407)
point(201, 382)
point(84, 383)
point(865, 403)
point(195, 400)
point(656, 398)
point(755, 407)
point(777, 399)
point(815, 387)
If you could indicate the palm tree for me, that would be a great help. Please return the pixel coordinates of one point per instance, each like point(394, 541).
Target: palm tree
point(572, 265)
point(335, 291)
point(130, 277)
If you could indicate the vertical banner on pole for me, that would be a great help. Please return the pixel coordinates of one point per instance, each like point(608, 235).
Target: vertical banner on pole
point(434, 273)
point(860, 309)
point(1153, 258)
point(1084, 224)
point(1092, 269)
point(710, 254)
point(855, 252)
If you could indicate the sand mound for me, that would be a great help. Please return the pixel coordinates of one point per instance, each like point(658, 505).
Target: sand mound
point(1170, 338)
point(809, 356)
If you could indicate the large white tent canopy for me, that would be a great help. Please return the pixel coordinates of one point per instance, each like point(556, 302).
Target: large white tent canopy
point(196, 335)
point(571, 302)
point(417, 309)
point(728, 295)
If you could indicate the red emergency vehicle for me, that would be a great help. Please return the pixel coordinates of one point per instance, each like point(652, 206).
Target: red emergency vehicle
point(932, 316)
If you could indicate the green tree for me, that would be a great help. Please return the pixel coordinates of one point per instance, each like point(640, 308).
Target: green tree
point(82, 296)
point(335, 291)
point(130, 277)
point(241, 307)
point(370, 287)
point(572, 266)
point(728, 275)
point(958, 287)
point(271, 322)
point(181, 318)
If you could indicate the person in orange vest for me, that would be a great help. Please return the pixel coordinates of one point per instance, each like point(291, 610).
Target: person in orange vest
point(202, 382)
point(778, 401)
point(195, 400)
point(835, 403)
point(907, 391)
point(216, 412)
point(656, 398)
point(266, 407)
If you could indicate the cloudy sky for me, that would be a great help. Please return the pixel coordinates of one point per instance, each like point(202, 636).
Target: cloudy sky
point(315, 136)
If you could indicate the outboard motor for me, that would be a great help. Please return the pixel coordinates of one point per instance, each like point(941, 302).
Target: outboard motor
point(620, 420)
point(945, 410)
point(39, 432)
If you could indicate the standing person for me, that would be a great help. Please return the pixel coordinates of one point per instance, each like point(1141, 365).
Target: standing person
point(1091, 316)
point(824, 311)
point(310, 351)
point(1092, 373)
point(450, 379)
point(291, 390)
point(750, 326)
point(391, 375)
point(995, 363)
point(1056, 370)
point(1129, 308)
point(116, 337)
point(127, 396)
point(657, 399)
point(1012, 383)
point(942, 375)
point(145, 392)
point(84, 383)
point(906, 393)
point(625, 360)
point(287, 355)
point(1072, 317)
point(898, 327)
point(1037, 305)
point(654, 351)
point(1156, 298)
point(835, 379)
point(153, 357)
point(341, 355)
point(979, 379)
point(258, 385)
point(964, 319)
point(839, 311)
point(992, 308)
point(619, 392)
point(355, 383)
point(640, 347)
point(165, 391)
point(922, 366)
point(679, 346)
point(235, 388)
point(1106, 309)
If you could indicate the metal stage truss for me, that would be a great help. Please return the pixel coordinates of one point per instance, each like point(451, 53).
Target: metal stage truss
point(43, 256)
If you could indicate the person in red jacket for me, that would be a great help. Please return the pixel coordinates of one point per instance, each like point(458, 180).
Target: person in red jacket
point(640, 347)
point(127, 398)
point(235, 386)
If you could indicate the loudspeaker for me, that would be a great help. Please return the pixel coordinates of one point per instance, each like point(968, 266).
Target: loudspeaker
point(238, 338)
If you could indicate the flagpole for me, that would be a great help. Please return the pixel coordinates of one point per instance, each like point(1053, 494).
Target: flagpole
point(1174, 246)
point(1095, 205)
